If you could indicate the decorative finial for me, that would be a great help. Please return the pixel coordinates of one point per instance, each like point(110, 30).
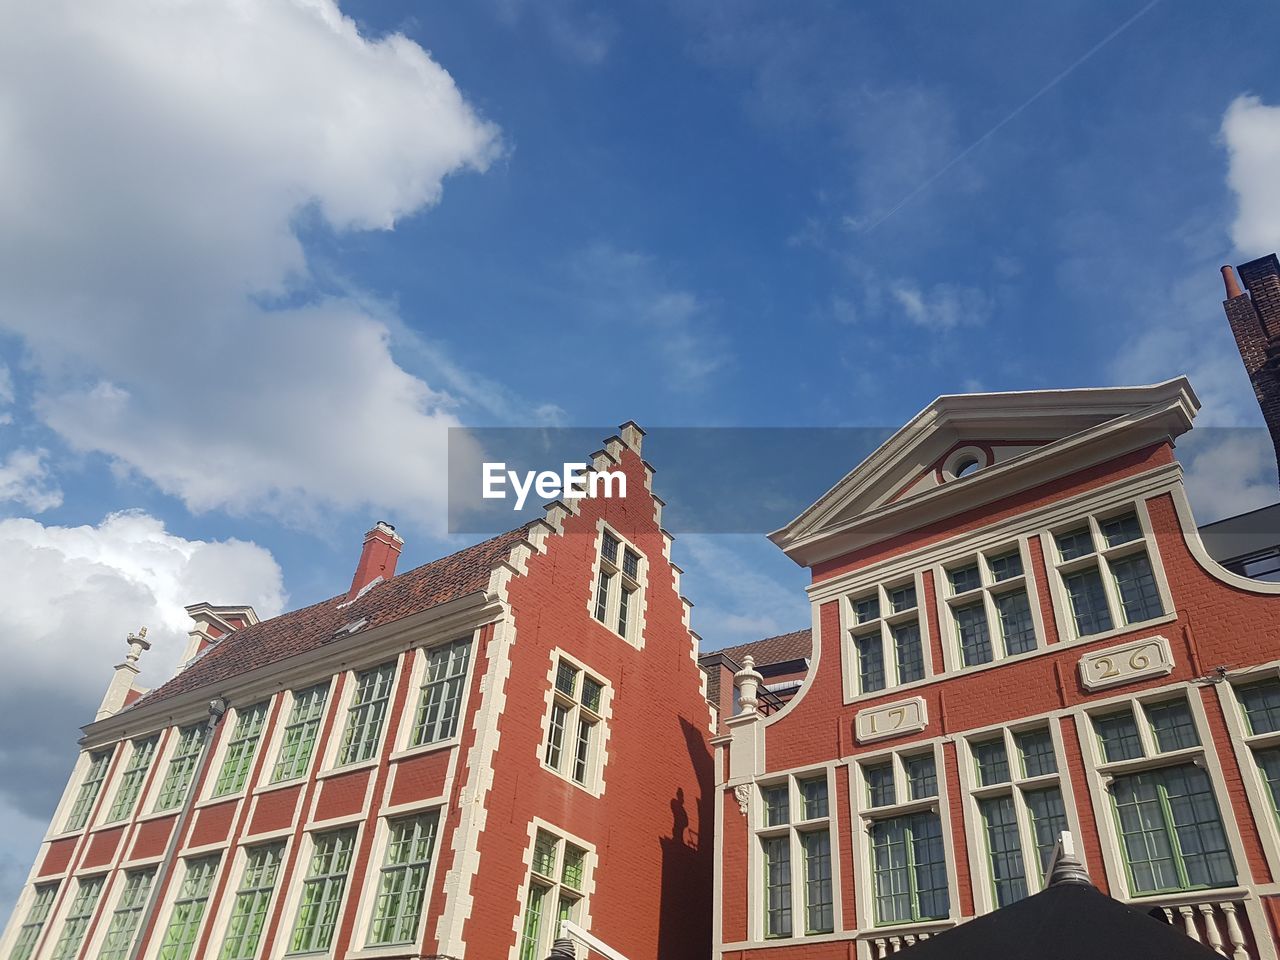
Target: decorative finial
point(138, 642)
point(1067, 868)
point(1233, 285)
point(747, 680)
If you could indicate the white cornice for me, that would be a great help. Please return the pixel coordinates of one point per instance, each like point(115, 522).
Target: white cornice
point(1094, 426)
point(355, 650)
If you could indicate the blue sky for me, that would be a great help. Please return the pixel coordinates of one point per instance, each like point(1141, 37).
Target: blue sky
point(253, 263)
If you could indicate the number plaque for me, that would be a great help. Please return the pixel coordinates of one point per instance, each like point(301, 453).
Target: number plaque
point(1126, 663)
point(891, 720)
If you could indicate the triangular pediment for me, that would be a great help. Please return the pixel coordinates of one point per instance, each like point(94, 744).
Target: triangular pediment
point(959, 445)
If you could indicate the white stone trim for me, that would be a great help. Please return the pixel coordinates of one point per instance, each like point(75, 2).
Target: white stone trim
point(1243, 743)
point(637, 615)
point(756, 831)
point(549, 931)
point(597, 763)
point(363, 911)
point(293, 894)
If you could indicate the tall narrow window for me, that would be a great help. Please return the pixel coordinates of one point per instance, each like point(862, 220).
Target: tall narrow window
point(253, 898)
point(1260, 704)
point(135, 774)
point(1104, 565)
point(188, 910)
point(555, 892)
point(89, 788)
point(909, 869)
point(886, 637)
point(37, 914)
point(298, 742)
point(990, 606)
point(367, 713)
point(441, 698)
point(403, 883)
point(618, 585)
point(908, 858)
point(78, 917)
point(573, 725)
point(793, 830)
point(1171, 831)
point(240, 750)
point(182, 767)
point(128, 913)
point(322, 892)
point(1018, 796)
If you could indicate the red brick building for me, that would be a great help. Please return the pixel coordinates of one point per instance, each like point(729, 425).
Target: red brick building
point(1016, 631)
point(447, 761)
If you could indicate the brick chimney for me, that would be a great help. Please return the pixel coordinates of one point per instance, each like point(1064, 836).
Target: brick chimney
point(1254, 315)
point(378, 558)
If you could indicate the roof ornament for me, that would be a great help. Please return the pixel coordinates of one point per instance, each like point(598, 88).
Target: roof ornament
point(137, 642)
point(1065, 866)
point(748, 680)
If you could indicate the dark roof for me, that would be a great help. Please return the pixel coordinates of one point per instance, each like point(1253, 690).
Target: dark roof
point(781, 649)
point(300, 631)
point(796, 645)
point(1066, 921)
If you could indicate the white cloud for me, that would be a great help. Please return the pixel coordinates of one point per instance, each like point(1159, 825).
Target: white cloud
point(6, 385)
point(941, 307)
point(72, 594)
point(155, 167)
point(1228, 471)
point(578, 33)
point(25, 479)
point(1251, 130)
point(674, 325)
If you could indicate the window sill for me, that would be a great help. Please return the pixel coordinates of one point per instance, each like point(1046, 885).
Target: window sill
point(589, 790)
point(225, 798)
point(1171, 758)
point(282, 785)
point(369, 764)
point(421, 749)
point(1116, 631)
point(407, 951)
point(159, 814)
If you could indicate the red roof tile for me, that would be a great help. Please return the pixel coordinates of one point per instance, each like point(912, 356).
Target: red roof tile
point(300, 631)
point(788, 646)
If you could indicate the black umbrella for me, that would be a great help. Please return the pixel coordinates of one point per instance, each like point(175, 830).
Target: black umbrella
point(1069, 920)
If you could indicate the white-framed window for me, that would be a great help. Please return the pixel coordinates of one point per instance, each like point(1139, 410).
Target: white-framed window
point(324, 886)
point(619, 588)
point(887, 636)
point(444, 677)
point(33, 923)
point(79, 914)
point(90, 785)
point(366, 714)
point(184, 753)
point(1107, 572)
point(301, 728)
point(251, 902)
point(556, 891)
point(1163, 802)
point(240, 749)
point(989, 606)
point(897, 796)
point(1017, 807)
point(404, 879)
point(189, 907)
point(575, 725)
point(141, 753)
point(1258, 700)
point(123, 926)
point(792, 826)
